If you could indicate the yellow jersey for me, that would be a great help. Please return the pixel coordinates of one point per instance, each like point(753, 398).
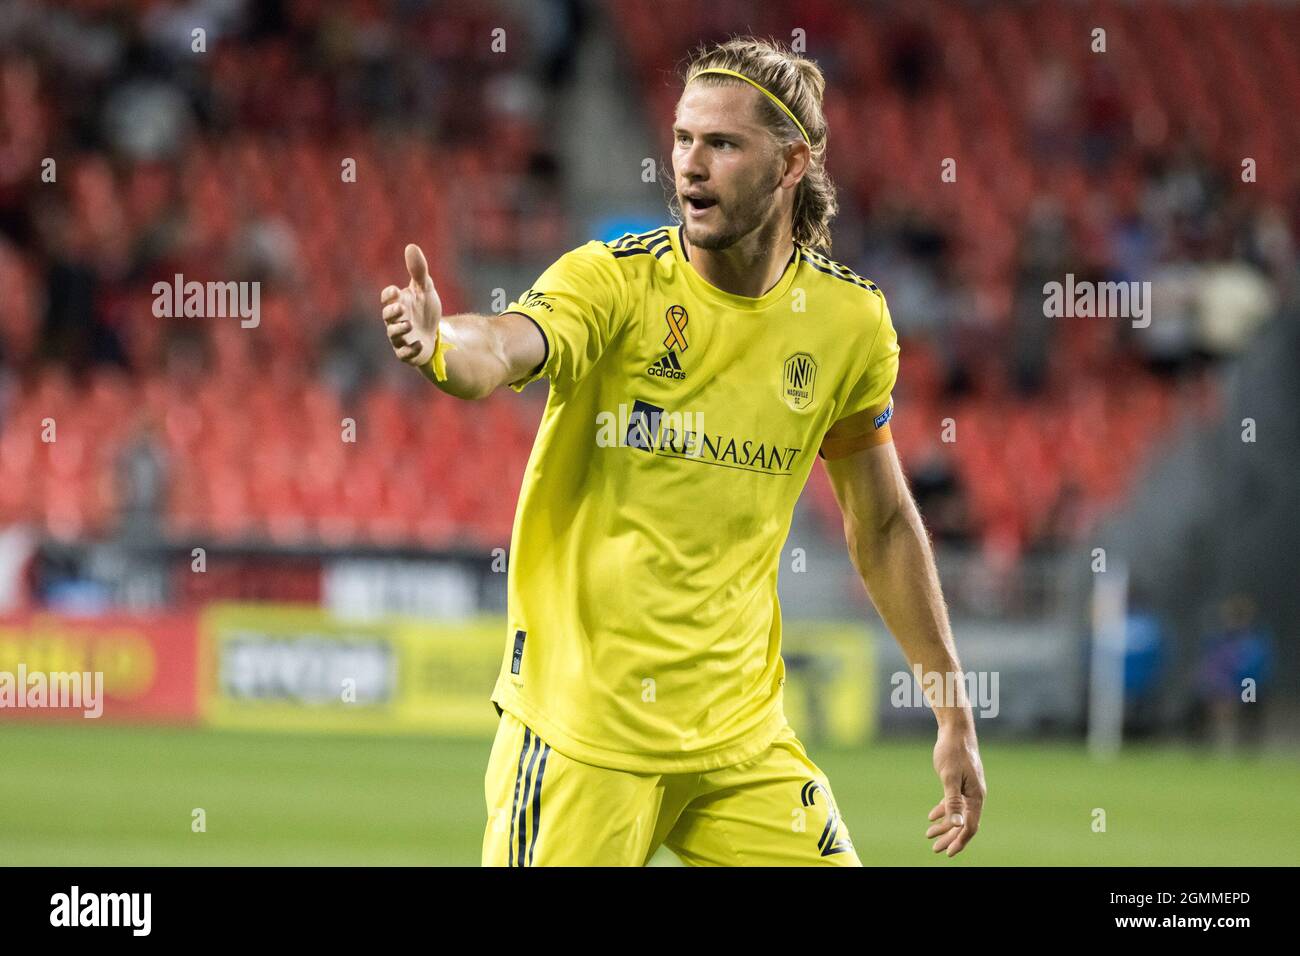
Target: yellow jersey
point(643, 625)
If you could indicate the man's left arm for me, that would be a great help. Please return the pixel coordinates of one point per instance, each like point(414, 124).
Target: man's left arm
point(890, 549)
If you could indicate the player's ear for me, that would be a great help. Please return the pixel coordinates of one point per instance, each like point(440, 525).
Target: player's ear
point(797, 157)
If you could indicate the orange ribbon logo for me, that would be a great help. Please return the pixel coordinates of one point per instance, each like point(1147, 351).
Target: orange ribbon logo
point(676, 318)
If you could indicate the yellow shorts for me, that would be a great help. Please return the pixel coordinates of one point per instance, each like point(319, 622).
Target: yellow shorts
point(545, 809)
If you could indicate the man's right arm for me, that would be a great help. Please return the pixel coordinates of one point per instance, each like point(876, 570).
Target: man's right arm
point(558, 329)
point(486, 352)
point(481, 352)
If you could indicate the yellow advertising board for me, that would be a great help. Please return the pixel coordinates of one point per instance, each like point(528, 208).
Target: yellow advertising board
point(284, 667)
point(287, 667)
point(829, 681)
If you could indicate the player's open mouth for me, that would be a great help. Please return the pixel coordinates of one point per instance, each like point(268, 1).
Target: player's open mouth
point(699, 205)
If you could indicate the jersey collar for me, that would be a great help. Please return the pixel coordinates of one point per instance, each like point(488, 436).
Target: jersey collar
point(742, 303)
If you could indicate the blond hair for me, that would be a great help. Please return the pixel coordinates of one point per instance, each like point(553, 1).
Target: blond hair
point(798, 83)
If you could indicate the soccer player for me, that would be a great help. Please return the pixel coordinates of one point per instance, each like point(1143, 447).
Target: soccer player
point(696, 371)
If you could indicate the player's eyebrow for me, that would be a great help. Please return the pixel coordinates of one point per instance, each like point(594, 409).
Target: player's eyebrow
point(709, 134)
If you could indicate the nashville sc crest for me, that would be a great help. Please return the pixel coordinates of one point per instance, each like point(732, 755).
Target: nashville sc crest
point(798, 380)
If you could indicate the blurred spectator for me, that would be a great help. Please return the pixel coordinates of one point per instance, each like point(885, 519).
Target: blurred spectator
point(1169, 341)
point(1045, 256)
point(1233, 300)
point(1050, 106)
point(18, 547)
point(1105, 119)
point(1144, 665)
point(73, 330)
point(938, 493)
point(912, 51)
point(558, 26)
point(142, 485)
point(1232, 679)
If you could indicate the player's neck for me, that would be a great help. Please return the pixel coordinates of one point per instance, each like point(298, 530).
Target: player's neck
point(750, 268)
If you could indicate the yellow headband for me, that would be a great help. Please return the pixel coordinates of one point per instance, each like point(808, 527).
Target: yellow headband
point(771, 96)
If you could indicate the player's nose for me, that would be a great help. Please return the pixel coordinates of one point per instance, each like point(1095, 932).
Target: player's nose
point(691, 166)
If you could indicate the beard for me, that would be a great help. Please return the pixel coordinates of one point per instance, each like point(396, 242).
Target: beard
point(734, 221)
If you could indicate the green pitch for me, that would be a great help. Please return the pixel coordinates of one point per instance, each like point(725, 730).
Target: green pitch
point(104, 795)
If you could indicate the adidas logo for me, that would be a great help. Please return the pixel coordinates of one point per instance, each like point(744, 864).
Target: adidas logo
point(667, 367)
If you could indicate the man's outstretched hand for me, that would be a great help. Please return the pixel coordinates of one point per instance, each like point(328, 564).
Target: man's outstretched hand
point(412, 313)
point(957, 762)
